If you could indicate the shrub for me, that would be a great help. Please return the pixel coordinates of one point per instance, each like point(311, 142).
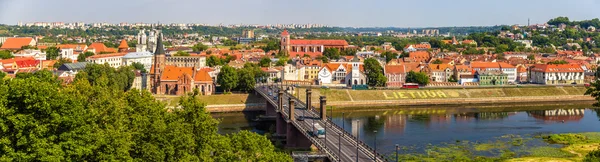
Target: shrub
point(593, 156)
point(567, 138)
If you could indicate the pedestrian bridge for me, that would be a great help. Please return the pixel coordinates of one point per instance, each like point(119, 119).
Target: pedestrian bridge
point(295, 120)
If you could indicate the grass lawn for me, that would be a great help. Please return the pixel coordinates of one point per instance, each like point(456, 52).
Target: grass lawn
point(220, 99)
point(400, 94)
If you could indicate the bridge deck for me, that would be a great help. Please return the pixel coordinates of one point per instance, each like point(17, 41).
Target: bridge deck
point(338, 144)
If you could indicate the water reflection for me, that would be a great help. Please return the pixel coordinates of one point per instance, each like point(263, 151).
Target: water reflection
point(558, 115)
point(422, 126)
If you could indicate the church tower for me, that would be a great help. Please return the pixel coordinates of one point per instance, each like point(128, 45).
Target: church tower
point(141, 42)
point(285, 41)
point(159, 64)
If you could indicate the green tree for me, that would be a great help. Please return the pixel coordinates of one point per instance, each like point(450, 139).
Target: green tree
point(247, 80)
point(52, 53)
point(199, 47)
point(227, 78)
point(83, 56)
point(213, 61)
point(182, 53)
point(558, 62)
point(5, 54)
point(282, 61)
point(61, 61)
point(559, 20)
point(389, 56)
point(531, 57)
point(593, 156)
point(437, 61)
point(417, 77)
point(264, 62)
point(139, 66)
point(332, 53)
point(273, 44)
point(92, 122)
point(374, 73)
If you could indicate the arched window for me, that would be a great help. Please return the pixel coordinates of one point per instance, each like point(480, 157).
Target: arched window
point(355, 82)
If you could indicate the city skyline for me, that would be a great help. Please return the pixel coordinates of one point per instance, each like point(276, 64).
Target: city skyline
point(351, 13)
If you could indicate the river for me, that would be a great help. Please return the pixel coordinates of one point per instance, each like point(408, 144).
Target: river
point(420, 126)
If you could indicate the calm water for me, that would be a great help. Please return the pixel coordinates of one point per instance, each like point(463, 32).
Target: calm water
point(427, 125)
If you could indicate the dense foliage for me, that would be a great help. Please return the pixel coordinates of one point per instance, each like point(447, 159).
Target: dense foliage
point(227, 78)
point(417, 77)
point(374, 73)
point(91, 120)
point(4, 54)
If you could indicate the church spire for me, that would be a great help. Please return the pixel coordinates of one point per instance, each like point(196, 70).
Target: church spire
point(160, 50)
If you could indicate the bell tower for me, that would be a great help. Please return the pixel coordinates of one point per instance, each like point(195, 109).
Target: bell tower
point(159, 64)
point(285, 41)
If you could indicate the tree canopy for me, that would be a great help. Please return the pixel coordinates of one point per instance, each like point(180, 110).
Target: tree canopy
point(44, 120)
point(417, 77)
point(4, 54)
point(227, 78)
point(52, 53)
point(182, 53)
point(374, 73)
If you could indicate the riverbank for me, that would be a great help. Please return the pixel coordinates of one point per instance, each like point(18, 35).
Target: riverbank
point(513, 148)
point(449, 97)
point(346, 98)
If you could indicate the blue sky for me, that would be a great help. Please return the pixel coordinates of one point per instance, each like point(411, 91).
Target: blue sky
point(353, 13)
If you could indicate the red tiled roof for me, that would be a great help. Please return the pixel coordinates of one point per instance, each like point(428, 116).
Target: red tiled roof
point(285, 32)
point(100, 47)
point(72, 46)
point(27, 63)
point(123, 44)
point(395, 69)
point(16, 43)
point(557, 68)
point(203, 75)
point(319, 42)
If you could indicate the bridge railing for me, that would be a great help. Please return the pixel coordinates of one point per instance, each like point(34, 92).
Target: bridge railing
point(317, 142)
point(366, 148)
point(363, 147)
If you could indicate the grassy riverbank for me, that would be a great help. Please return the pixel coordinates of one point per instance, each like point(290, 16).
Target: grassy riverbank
point(512, 148)
point(335, 95)
point(218, 99)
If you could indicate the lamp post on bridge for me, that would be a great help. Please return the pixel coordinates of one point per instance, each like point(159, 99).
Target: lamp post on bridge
point(343, 122)
point(339, 143)
point(375, 150)
point(397, 146)
point(357, 138)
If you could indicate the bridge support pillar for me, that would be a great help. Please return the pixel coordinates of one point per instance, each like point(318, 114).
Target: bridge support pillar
point(323, 107)
point(291, 106)
point(270, 109)
point(280, 100)
point(296, 139)
point(280, 124)
point(308, 102)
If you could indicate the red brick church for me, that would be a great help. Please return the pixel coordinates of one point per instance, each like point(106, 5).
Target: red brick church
point(314, 48)
point(174, 80)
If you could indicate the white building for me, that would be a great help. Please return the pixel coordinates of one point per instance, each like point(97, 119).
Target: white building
point(556, 74)
point(35, 53)
point(114, 60)
point(145, 58)
point(506, 68)
point(68, 53)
